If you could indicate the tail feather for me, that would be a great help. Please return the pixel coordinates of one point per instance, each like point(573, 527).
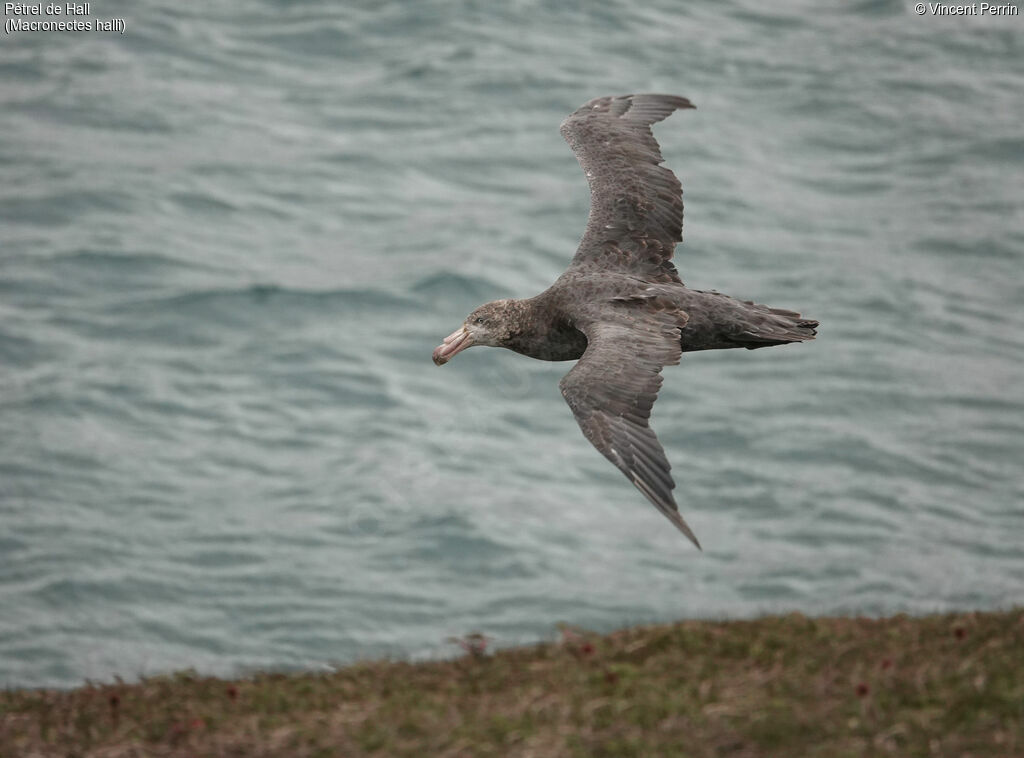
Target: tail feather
point(721, 322)
point(776, 326)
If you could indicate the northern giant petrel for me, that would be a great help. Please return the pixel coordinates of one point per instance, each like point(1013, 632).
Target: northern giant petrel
point(621, 307)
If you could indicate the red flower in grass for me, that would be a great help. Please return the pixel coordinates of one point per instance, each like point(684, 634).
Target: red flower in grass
point(232, 692)
point(862, 690)
point(959, 632)
point(886, 664)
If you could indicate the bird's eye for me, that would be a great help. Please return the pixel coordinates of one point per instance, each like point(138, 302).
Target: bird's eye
point(479, 319)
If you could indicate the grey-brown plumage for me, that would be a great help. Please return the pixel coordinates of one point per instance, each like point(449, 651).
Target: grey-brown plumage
point(620, 307)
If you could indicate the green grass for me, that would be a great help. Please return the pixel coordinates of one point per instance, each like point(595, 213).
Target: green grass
point(949, 685)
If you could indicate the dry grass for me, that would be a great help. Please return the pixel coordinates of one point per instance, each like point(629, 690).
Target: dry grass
point(783, 686)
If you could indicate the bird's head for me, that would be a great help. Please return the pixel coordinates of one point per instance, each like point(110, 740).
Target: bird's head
point(490, 324)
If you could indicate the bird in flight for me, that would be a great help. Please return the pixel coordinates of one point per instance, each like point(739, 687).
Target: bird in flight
point(620, 307)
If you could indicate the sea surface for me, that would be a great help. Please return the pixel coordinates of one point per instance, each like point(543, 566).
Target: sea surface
point(231, 236)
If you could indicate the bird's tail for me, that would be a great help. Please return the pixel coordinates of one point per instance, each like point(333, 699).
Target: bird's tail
point(775, 326)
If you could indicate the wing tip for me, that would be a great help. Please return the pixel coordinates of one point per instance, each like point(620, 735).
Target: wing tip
point(682, 526)
point(668, 508)
point(678, 102)
point(649, 106)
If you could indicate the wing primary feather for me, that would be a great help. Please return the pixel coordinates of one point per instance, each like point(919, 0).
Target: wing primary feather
point(670, 511)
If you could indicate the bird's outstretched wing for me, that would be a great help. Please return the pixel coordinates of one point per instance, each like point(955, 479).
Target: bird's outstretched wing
point(611, 391)
point(636, 205)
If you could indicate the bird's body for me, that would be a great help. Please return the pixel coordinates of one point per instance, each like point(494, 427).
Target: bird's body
point(620, 308)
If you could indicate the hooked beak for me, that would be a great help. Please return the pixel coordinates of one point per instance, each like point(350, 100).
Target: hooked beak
point(454, 343)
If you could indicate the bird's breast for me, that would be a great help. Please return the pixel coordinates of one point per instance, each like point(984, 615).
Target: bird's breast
point(559, 343)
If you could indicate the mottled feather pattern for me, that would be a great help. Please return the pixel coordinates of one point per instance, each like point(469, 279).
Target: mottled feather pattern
point(636, 214)
point(612, 390)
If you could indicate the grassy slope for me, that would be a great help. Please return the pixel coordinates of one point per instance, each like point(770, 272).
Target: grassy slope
point(783, 686)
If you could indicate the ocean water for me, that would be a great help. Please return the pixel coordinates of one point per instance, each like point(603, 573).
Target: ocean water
point(231, 236)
